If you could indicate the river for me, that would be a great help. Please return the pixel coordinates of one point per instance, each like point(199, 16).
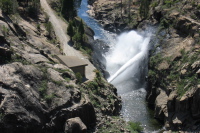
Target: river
point(126, 62)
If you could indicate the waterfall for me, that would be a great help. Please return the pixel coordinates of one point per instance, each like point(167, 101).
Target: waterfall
point(127, 63)
point(130, 51)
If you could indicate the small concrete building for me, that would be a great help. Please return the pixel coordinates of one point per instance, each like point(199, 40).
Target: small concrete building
point(76, 64)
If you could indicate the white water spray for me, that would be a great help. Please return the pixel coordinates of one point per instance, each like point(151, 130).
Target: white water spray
point(130, 51)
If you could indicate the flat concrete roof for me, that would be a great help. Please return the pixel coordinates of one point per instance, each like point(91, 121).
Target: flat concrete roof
point(72, 61)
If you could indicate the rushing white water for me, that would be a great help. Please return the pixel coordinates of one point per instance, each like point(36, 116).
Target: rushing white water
point(127, 64)
point(141, 55)
point(130, 51)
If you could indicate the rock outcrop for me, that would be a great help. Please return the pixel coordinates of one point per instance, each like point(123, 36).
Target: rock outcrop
point(173, 87)
point(37, 93)
point(75, 125)
point(30, 99)
point(113, 15)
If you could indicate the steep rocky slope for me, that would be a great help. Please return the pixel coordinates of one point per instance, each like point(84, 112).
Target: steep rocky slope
point(173, 90)
point(37, 93)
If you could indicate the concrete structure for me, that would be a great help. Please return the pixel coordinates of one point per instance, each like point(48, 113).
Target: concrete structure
point(77, 65)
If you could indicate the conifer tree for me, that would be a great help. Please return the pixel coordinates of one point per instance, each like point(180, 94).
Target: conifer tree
point(8, 6)
point(81, 27)
point(70, 30)
point(49, 28)
point(68, 10)
point(144, 8)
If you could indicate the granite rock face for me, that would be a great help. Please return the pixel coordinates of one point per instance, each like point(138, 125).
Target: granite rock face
point(37, 93)
point(25, 103)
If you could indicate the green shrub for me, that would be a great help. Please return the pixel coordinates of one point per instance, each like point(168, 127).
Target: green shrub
point(62, 70)
point(95, 103)
point(5, 30)
point(193, 3)
point(77, 37)
point(180, 89)
point(98, 76)
point(198, 7)
point(86, 50)
point(67, 79)
point(154, 4)
point(173, 76)
point(92, 84)
point(43, 88)
point(49, 28)
point(43, 92)
point(152, 76)
point(79, 78)
point(109, 127)
point(168, 3)
point(69, 86)
point(49, 98)
point(164, 24)
point(18, 58)
point(155, 60)
point(59, 83)
point(135, 127)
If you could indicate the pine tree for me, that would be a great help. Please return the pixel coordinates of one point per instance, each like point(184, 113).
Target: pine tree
point(49, 28)
point(33, 8)
point(68, 9)
point(144, 8)
point(70, 30)
point(8, 6)
point(81, 27)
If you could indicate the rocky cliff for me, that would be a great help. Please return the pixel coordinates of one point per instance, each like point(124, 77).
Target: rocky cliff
point(37, 93)
point(173, 90)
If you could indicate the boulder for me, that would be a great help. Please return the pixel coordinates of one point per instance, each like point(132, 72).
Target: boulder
point(161, 106)
point(66, 72)
point(54, 75)
point(34, 58)
point(196, 65)
point(75, 125)
point(163, 66)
